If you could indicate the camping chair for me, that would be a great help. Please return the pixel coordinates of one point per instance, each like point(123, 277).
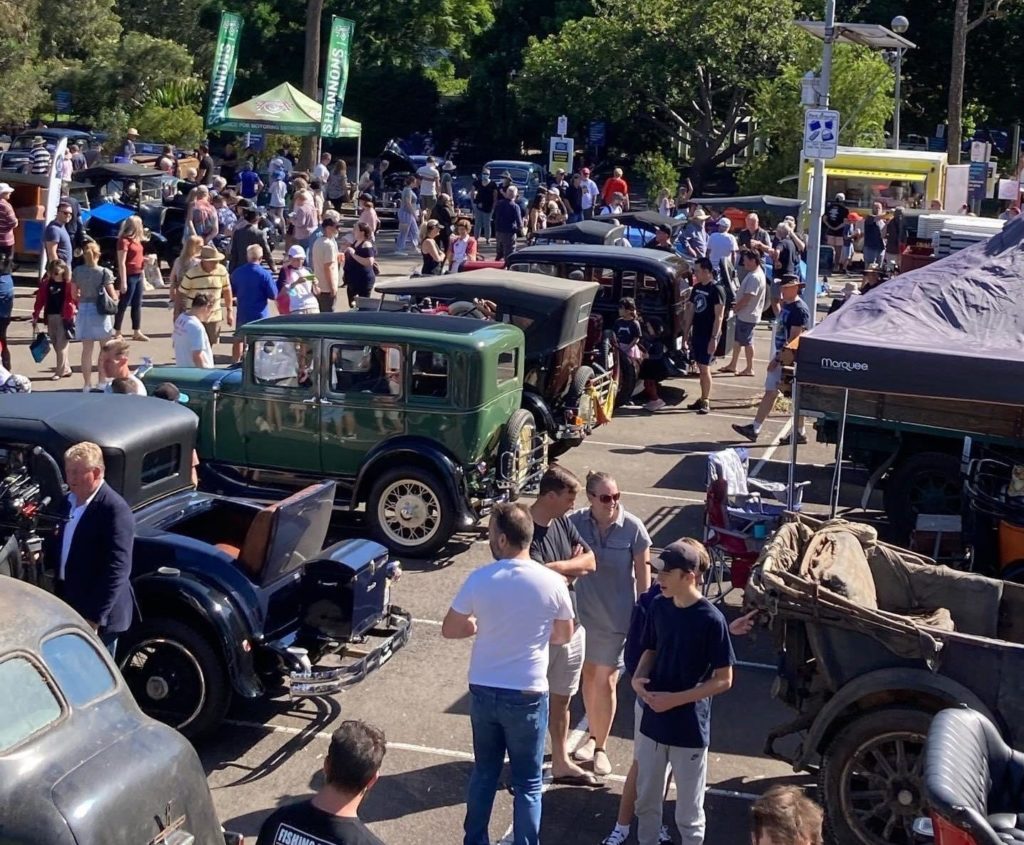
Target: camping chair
point(739, 514)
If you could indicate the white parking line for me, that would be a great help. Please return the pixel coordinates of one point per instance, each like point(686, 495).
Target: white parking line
point(451, 753)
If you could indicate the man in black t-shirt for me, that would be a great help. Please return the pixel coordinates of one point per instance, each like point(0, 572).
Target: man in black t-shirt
point(786, 263)
point(331, 816)
point(558, 545)
point(834, 219)
point(705, 312)
point(485, 195)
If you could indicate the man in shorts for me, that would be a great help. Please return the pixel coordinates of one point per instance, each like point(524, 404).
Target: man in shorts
point(705, 312)
point(794, 320)
point(748, 308)
point(558, 545)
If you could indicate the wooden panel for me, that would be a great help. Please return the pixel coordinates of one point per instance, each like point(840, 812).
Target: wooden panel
point(971, 417)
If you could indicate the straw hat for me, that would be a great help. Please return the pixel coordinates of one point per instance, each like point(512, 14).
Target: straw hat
point(700, 215)
point(133, 133)
point(210, 253)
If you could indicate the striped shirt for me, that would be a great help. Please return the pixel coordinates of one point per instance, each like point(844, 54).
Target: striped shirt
point(41, 160)
point(197, 281)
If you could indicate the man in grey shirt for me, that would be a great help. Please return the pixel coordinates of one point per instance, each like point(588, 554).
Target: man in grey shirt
point(749, 307)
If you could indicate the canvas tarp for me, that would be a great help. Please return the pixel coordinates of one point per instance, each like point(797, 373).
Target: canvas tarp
point(953, 329)
point(284, 110)
point(762, 203)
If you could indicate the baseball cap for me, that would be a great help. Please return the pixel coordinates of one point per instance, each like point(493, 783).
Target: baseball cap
point(296, 251)
point(171, 393)
point(661, 227)
point(724, 223)
point(677, 555)
point(790, 279)
point(585, 171)
point(840, 197)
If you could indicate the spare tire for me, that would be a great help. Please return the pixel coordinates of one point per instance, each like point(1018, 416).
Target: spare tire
point(926, 482)
point(579, 385)
point(518, 439)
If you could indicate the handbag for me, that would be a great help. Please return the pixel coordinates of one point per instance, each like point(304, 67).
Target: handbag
point(40, 347)
point(106, 305)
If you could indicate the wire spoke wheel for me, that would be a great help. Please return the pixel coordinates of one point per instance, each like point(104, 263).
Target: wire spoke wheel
point(409, 511)
point(166, 680)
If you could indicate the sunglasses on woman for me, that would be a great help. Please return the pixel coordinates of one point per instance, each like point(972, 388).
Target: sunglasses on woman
point(607, 498)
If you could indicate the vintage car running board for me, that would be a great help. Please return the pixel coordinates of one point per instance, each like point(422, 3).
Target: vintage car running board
point(398, 624)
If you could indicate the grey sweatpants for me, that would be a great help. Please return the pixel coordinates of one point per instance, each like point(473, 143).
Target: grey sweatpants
point(690, 767)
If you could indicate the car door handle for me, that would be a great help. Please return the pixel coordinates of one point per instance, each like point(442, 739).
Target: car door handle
point(311, 401)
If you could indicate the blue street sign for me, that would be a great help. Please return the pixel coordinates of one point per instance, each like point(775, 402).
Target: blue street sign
point(977, 181)
point(62, 101)
point(597, 133)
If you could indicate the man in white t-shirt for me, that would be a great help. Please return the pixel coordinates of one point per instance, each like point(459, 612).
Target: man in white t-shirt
point(191, 342)
point(514, 609)
point(590, 193)
point(324, 258)
point(748, 308)
point(322, 171)
point(430, 178)
point(722, 244)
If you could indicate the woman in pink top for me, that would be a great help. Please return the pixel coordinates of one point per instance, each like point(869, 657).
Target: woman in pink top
point(8, 223)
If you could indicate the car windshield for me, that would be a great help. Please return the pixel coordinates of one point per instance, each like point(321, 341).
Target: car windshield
point(147, 188)
point(24, 142)
point(26, 701)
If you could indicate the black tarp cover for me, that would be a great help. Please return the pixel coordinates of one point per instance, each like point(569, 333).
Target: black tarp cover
point(764, 203)
point(953, 329)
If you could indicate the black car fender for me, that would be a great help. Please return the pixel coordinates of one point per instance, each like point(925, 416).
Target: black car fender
point(204, 606)
point(535, 404)
point(882, 687)
point(414, 451)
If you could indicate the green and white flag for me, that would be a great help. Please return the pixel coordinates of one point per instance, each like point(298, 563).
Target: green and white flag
point(225, 60)
point(336, 77)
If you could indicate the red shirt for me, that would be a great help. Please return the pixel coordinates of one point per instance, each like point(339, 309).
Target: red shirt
point(614, 185)
point(8, 223)
point(133, 260)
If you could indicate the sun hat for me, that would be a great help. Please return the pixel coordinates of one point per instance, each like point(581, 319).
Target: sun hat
point(37, 140)
point(5, 189)
point(699, 214)
point(296, 251)
point(210, 253)
point(133, 133)
point(448, 165)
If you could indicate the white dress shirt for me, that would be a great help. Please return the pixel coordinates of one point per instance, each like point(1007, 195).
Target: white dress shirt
point(69, 530)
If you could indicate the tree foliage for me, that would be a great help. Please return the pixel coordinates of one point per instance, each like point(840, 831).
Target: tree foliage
point(78, 30)
point(861, 89)
point(686, 69)
point(22, 89)
point(178, 125)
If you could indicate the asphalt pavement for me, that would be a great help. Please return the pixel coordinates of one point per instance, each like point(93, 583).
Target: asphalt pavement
point(271, 752)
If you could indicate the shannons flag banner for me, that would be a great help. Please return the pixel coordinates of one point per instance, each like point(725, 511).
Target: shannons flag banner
point(336, 77)
point(225, 60)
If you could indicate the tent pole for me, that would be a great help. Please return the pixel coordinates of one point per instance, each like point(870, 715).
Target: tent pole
point(791, 488)
point(837, 473)
point(359, 155)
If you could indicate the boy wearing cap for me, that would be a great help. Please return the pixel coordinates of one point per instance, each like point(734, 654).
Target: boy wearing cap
point(687, 659)
point(794, 320)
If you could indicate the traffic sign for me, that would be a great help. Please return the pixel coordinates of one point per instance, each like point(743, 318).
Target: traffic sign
point(563, 125)
point(821, 133)
point(597, 134)
point(62, 102)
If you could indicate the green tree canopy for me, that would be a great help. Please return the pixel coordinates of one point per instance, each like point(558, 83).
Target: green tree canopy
point(861, 90)
point(20, 69)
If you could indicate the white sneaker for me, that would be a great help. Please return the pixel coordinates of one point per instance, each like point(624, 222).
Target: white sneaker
point(655, 405)
point(664, 838)
point(616, 837)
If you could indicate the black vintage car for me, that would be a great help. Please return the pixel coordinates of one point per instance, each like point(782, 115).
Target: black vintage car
point(115, 191)
point(641, 226)
point(569, 379)
point(80, 764)
point(657, 280)
point(592, 232)
point(234, 598)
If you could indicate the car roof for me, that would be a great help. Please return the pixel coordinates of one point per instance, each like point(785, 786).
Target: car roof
point(521, 285)
point(611, 254)
point(506, 162)
point(642, 219)
point(56, 133)
point(110, 421)
point(28, 613)
point(378, 324)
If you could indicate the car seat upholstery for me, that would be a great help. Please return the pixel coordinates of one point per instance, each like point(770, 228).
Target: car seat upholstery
point(252, 555)
point(973, 780)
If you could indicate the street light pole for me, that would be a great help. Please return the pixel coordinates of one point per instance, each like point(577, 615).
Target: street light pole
point(899, 25)
point(818, 178)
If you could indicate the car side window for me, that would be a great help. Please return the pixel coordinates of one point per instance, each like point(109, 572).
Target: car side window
point(366, 368)
point(285, 364)
point(429, 374)
point(629, 283)
point(79, 670)
point(26, 700)
point(508, 365)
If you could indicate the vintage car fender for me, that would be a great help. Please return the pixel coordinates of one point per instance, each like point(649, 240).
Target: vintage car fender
point(887, 681)
point(217, 611)
point(535, 404)
point(417, 451)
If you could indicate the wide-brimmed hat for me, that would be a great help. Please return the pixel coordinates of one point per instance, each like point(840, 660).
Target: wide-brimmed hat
point(448, 165)
point(132, 133)
point(37, 140)
point(699, 214)
point(210, 253)
point(5, 189)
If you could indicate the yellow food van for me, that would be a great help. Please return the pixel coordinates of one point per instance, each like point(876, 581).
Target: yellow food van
point(908, 178)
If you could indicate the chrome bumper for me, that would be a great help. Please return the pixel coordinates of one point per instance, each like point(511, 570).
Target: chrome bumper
point(396, 627)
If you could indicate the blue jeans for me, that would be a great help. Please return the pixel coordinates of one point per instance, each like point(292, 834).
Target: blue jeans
point(516, 722)
point(132, 298)
point(575, 217)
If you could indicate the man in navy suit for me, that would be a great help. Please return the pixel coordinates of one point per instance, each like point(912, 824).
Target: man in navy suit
point(96, 547)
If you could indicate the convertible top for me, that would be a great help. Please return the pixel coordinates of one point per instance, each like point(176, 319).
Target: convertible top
point(617, 257)
point(129, 429)
point(583, 232)
point(648, 220)
point(549, 310)
point(117, 171)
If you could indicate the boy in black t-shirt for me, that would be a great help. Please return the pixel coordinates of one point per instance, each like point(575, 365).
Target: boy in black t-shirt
point(687, 659)
point(705, 313)
point(330, 817)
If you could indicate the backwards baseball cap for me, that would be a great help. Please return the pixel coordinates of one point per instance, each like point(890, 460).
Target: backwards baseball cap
point(677, 555)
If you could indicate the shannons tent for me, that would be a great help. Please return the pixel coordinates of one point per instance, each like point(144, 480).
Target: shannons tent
point(953, 329)
point(284, 110)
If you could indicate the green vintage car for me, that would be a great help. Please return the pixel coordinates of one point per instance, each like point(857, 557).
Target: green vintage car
point(416, 417)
